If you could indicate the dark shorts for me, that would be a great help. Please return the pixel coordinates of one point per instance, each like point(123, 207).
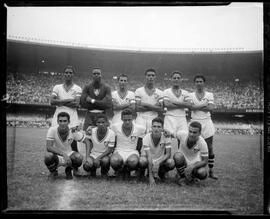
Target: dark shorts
point(90, 119)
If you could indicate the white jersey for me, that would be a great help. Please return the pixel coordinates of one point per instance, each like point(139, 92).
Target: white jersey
point(102, 145)
point(61, 93)
point(128, 98)
point(170, 96)
point(159, 150)
point(127, 143)
point(194, 154)
point(156, 97)
point(198, 114)
point(64, 146)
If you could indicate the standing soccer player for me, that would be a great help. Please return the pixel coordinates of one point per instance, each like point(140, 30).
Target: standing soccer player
point(126, 157)
point(175, 102)
point(58, 144)
point(149, 101)
point(122, 98)
point(157, 149)
point(102, 145)
point(66, 98)
point(202, 104)
point(192, 157)
point(96, 98)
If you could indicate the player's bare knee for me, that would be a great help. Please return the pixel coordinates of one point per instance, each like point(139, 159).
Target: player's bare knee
point(88, 165)
point(105, 162)
point(76, 159)
point(179, 159)
point(143, 163)
point(50, 159)
point(116, 161)
point(201, 173)
point(169, 164)
point(132, 162)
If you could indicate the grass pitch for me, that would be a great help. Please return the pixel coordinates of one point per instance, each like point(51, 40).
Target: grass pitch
point(239, 189)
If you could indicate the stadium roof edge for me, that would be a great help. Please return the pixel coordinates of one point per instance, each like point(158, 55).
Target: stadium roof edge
point(86, 47)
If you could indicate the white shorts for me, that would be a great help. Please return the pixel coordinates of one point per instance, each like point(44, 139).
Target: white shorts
point(208, 128)
point(126, 154)
point(174, 124)
point(95, 154)
point(145, 121)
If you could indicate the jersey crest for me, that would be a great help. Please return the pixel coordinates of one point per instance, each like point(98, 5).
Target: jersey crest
point(133, 138)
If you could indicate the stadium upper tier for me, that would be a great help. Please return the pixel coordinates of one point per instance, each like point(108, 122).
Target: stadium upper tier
point(37, 88)
point(25, 57)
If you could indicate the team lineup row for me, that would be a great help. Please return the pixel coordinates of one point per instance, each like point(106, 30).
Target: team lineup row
point(145, 110)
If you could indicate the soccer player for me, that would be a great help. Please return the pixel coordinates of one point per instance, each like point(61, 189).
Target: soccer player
point(126, 157)
point(103, 140)
point(157, 149)
point(96, 98)
point(175, 103)
point(66, 98)
point(122, 98)
point(202, 104)
point(192, 157)
point(58, 143)
point(149, 101)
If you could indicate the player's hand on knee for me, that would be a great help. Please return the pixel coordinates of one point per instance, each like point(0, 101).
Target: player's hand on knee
point(167, 133)
point(89, 130)
point(188, 172)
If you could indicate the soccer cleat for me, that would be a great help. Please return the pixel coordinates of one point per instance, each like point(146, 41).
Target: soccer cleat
point(68, 172)
point(181, 181)
point(212, 176)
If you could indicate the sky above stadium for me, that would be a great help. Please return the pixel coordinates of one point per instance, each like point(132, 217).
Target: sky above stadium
point(238, 26)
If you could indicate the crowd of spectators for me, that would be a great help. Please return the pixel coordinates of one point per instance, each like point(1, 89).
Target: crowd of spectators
point(37, 88)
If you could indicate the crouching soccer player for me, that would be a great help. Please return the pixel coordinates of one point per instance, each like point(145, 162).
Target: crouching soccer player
point(103, 140)
point(157, 148)
point(192, 158)
point(58, 143)
point(126, 157)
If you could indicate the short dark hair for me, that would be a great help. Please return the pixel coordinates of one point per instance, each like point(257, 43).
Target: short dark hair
point(96, 68)
point(159, 120)
point(122, 75)
point(69, 67)
point(150, 69)
point(126, 112)
point(176, 72)
point(63, 114)
point(199, 76)
point(196, 124)
point(103, 116)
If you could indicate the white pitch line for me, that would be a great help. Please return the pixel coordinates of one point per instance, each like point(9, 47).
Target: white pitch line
point(67, 192)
